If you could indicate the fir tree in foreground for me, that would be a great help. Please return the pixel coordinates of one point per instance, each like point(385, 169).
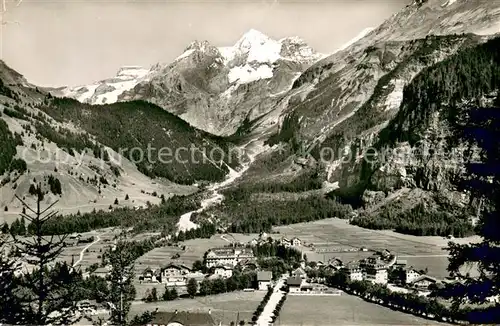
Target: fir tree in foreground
point(122, 291)
point(482, 127)
point(47, 291)
point(10, 309)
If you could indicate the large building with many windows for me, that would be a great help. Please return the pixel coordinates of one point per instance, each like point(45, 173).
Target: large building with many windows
point(228, 256)
point(353, 271)
point(374, 270)
point(376, 274)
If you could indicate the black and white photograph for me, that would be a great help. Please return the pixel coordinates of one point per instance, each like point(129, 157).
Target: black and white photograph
point(249, 162)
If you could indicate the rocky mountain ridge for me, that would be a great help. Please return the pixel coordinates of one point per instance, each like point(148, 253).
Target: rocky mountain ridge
point(327, 112)
point(205, 77)
point(345, 104)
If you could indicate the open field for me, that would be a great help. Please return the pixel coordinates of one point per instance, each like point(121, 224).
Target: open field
point(420, 252)
point(342, 310)
point(142, 288)
point(194, 250)
point(93, 253)
point(224, 307)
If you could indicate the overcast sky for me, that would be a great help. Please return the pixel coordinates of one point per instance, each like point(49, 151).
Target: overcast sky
point(72, 42)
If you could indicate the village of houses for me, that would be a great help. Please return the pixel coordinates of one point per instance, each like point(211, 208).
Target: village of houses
point(220, 263)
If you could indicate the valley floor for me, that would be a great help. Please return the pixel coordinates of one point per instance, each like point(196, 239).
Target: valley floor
point(321, 240)
point(224, 307)
point(334, 237)
point(341, 310)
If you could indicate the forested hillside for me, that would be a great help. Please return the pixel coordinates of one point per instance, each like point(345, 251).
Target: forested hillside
point(187, 154)
point(465, 78)
point(372, 113)
point(4, 90)
point(8, 144)
point(429, 125)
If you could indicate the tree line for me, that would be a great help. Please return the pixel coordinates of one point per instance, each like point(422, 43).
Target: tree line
point(247, 217)
point(238, 281)
point(48, 292)
point(260, 308)
point(277, 258)
point(419, 220)
point(311, 179)
point(427, 307)
point(161, 217)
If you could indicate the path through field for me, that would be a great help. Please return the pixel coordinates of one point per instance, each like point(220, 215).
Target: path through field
point(267, 313)
point(85, 249)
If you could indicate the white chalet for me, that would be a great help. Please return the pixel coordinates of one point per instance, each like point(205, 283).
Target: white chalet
point(423, 282)
point(353, 271)
point(223, 271)
point(296, 242)
point(411, 275)
point(174, 273)
point(264, 279)
point(376, 274)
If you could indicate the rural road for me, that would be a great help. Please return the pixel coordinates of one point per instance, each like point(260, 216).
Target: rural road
point(265, 316)
point(85, 249)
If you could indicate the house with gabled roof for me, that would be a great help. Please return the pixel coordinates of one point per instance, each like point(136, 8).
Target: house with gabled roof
point(335, 262)
point(294, 283)
point(300, 272)
point(102, 271)
point(148, 275)
point(423, 282)
point(264, 279)
point(174, 273)
point(285, 242)
point(411, 274)
point(223, 271)
point(296, 242)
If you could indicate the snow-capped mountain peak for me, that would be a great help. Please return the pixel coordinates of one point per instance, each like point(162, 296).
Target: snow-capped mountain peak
point(449, 3)
point(257, 53)
point(132, 71)
point(108, 90)
point(253, 57)
point(258, 46)
point(252, 38)
point(198, 45)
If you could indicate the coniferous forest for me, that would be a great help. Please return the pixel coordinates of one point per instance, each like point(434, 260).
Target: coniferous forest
point(176, 150)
